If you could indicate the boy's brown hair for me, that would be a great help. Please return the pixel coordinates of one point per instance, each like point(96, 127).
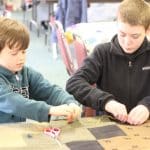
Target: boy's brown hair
point(13, 34)
point(135, 12)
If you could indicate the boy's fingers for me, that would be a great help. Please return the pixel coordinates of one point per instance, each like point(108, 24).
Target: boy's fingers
point(70, 119)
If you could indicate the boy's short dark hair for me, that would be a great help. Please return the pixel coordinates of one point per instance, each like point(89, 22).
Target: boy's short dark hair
point(135, 12)
point(13, 34)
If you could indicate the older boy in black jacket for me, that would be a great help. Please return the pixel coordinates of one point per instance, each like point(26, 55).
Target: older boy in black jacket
point(120, 69)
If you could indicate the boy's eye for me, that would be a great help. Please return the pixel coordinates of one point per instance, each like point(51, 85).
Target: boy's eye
point(122, 34)
point(135, 36)
point(14, 53)
point(24, 51)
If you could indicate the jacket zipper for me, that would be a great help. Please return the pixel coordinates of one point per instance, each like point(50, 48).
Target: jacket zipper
point(130, 64)
point(130, 67)
point(17, 77)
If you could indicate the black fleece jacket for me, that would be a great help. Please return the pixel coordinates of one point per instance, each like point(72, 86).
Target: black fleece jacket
point(124, 78)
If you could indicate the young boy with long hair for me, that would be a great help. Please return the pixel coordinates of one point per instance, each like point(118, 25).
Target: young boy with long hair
point(24, 93)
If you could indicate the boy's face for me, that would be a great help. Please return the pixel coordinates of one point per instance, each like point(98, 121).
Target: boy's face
point(12, 59)
point(130, 37)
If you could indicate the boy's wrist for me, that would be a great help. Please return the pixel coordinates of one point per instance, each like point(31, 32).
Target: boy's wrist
point(108, 103)
point(51, 110)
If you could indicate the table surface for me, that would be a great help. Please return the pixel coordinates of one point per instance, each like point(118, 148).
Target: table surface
point(95, 133)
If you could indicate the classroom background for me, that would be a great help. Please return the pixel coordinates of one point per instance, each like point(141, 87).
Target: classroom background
point(36, 15)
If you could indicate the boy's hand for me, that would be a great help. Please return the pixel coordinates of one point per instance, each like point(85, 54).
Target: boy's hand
point(61, 110)
point(70, 112)
point(138, 115)
point(75, 110)
point(118, 110)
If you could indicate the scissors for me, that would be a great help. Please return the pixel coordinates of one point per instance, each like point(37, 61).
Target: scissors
point(52, 131)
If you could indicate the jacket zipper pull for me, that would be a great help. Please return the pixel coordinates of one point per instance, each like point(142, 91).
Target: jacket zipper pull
point(130, 64)
point(17, 77)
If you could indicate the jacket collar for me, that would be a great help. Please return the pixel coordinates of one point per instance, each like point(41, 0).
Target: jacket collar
point(4, 71)
point(116, 48)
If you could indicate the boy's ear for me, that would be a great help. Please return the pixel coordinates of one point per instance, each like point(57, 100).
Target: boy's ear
point(148, 32)
point(1, 45)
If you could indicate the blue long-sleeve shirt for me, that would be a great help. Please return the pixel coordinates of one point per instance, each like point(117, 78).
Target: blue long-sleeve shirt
point(28, 95)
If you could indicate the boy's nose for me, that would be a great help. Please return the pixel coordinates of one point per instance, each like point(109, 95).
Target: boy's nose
point(21, 56)
point(128, 42)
